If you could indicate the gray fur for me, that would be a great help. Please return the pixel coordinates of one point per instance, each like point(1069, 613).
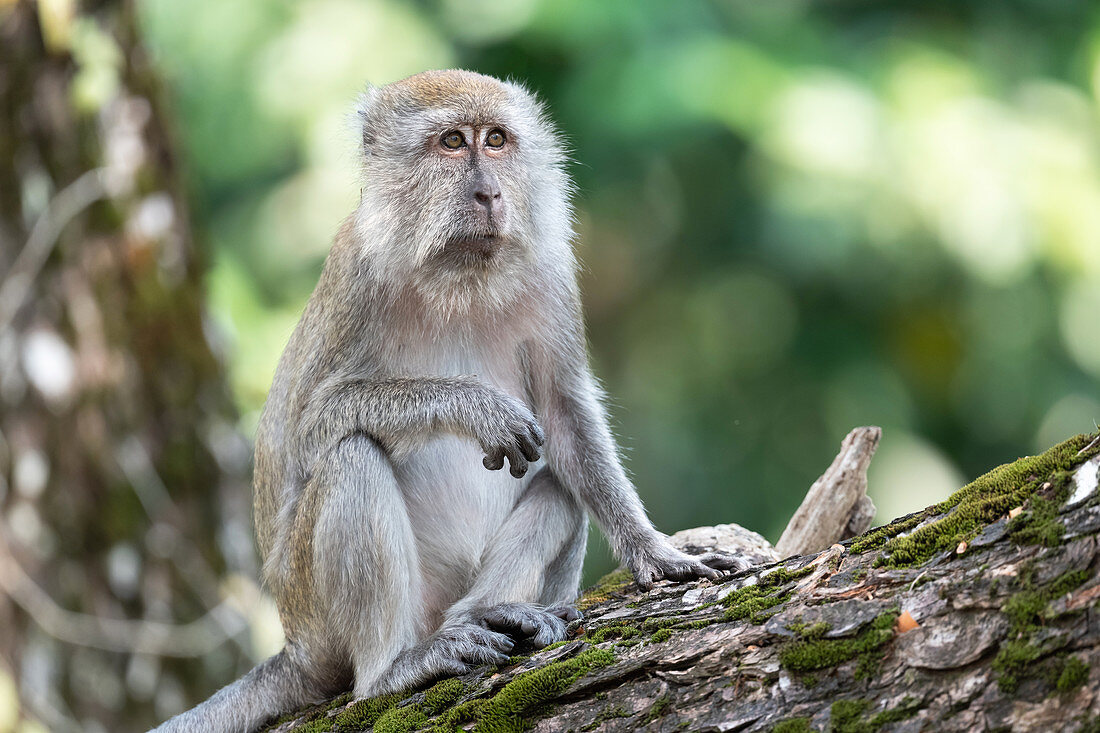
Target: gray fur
point(444, 338)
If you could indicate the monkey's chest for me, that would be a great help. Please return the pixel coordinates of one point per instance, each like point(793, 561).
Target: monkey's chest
point(455, 504)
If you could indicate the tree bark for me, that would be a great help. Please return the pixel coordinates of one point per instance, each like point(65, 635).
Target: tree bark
point(121, 473)
point(981, 613)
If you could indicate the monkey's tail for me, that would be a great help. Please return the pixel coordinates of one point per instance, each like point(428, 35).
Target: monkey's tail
point(274, 686)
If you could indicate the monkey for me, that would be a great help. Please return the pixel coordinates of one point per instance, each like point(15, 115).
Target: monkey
point(444, 340)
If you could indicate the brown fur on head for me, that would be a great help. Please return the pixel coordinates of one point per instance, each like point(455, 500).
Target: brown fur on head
point(464, 185)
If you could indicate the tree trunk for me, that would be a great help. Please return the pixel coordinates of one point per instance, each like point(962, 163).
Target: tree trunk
point(121, 474)
point(980, 613)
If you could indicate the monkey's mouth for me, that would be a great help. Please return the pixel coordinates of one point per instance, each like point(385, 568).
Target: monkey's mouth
point(474, 246)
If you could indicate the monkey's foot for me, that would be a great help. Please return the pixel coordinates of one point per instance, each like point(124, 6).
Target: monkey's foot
point(668, 562)
point(455, 649)
point(527, 623)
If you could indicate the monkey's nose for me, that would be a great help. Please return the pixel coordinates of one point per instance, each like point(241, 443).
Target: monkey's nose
point(487, 193)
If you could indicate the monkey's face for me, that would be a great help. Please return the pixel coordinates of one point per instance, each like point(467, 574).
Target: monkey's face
point(463, 171)
point(473, 159)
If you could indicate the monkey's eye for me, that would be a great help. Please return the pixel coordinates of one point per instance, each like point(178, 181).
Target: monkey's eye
point(495, 138)
point(453, 140)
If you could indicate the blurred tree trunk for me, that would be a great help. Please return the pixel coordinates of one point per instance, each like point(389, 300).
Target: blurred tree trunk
point(120, 468)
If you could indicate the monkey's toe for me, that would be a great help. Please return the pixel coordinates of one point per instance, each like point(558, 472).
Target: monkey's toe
point(468, 644)
point(567, 612)
point(526, 622)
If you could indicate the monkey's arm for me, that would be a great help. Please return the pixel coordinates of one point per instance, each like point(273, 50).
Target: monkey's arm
point(398, 412)
point(582, 453)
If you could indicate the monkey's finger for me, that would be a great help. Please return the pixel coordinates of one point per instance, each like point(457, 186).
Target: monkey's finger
point(645, 576)
point(549, 629)
point(484, 655)
point(529, 448)
point(517, 464)
point(689, 570)
point(699, 570)
point(527, 621)
point(494, 640)
point(725, 561)
point(565, 612)
point(494, 459)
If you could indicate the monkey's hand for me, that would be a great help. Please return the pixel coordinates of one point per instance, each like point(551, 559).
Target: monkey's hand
point(662, 560)
point(507, 428)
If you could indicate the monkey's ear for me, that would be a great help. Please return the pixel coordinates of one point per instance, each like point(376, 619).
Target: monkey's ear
point(366, 118)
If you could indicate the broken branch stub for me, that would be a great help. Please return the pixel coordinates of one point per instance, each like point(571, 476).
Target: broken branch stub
point(837, 506)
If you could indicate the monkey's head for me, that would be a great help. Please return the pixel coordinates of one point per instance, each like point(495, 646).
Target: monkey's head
point(464, 177)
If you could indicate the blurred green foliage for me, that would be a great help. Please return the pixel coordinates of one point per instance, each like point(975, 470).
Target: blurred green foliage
point(795, 217)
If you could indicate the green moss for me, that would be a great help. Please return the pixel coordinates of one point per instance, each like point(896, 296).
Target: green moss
point(443, 694)
point(806, 655)
point(783, 576)
point(1039, 525)
point(816, 631)
point(657, 709)
point(1074, 674)
point(652, 624)
point(518, 659)
point(905, 710)
point(984, 500)
point(459, 715)
point(1024, 610)
point(614, 582)
point(755, 602)
point(405, 718)
point(365, 713)
point(847, 716)
point(660, 636)
point(401, 720)
point(605, 715)
point(792, 725)
point(555, 645)
point(317, 725)
point(1012, 662)
point(529, 692)
point(614, 631)
point(701, 623)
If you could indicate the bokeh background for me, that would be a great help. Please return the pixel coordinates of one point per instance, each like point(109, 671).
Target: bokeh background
point(794, 217)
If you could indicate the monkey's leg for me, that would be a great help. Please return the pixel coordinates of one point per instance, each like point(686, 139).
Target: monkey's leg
point(529, 575)
point(536, 555)
point(532, 568)
point(365, 565)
